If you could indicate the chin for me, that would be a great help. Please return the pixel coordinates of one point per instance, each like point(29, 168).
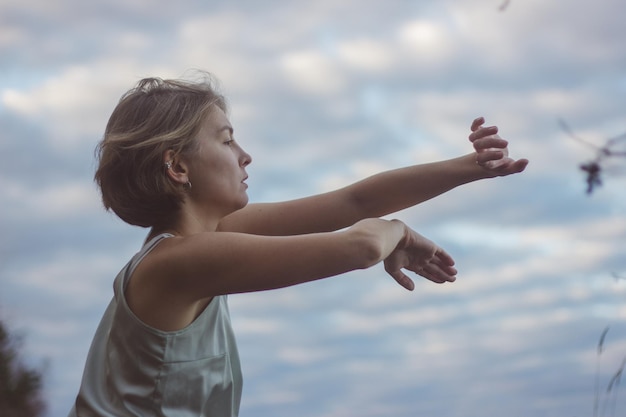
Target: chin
point(241, 204)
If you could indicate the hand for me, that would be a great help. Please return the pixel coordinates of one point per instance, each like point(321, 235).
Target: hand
point(420, 255)
point(492, 152)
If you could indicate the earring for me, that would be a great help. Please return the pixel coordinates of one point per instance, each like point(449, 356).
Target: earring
point(168, 165)
point(187, 186)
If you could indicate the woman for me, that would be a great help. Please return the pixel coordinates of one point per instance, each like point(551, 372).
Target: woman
point(168, 161)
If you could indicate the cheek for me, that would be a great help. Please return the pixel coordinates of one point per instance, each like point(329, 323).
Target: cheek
point(218, 166)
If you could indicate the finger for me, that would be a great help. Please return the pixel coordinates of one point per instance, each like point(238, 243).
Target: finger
point(512, 167)
point(436, 274)
point(446, 268)
point(486, 156)
point(490, 142)
point(482, 132)
point(443, 257)
point(437, 278)
point(402, 279)
point(520, 165)
point(477, 123)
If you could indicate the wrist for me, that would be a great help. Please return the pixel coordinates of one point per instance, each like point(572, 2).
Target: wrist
point(401, 232)
point(472, 171)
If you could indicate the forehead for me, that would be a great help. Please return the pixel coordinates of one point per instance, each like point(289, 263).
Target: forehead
point(215, 120)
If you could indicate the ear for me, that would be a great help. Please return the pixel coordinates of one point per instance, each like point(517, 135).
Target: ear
point(175, 167)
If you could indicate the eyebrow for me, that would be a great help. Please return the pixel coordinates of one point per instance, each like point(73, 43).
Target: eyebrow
point(226, 127)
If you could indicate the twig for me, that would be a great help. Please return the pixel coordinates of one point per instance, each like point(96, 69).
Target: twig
point(599, 353)
point(571, 134)
point(614, 383)
point(593, 168)
point(617, 276)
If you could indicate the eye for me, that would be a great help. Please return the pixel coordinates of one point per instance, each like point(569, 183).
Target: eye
point(230, 141)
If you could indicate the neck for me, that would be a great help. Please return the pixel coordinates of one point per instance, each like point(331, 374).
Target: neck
point(188, 222)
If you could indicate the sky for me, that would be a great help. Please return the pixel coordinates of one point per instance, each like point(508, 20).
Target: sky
point(322, 94)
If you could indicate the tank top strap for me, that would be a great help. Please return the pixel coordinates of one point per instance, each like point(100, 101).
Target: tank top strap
point(122, 279)
point(145, 249)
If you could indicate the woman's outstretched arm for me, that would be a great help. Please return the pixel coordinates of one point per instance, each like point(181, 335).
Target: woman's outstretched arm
point(380, 194)
point(182, 271)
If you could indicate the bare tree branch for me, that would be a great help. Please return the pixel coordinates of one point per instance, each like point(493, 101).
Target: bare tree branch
point(594, 167)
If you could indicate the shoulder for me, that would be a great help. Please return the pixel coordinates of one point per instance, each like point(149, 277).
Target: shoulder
point(167, 260)
point(177, 262)
point(156, 292)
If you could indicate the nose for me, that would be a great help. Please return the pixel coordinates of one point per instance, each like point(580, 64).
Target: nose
point(245, 158)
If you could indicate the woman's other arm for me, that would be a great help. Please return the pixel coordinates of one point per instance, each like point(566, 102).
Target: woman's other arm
point(182, 271)
point(380, 194)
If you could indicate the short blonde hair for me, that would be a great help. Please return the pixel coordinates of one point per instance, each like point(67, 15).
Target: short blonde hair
point(155, 116)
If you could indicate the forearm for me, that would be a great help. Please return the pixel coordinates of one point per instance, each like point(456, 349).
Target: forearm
point(395, 190)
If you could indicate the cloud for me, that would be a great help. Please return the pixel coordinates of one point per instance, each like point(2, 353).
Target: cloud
point(312, 73)
point(323, 94)
point(72, 105)
point(53, 203)
point(368, 55)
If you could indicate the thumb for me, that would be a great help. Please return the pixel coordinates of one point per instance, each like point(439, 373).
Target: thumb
point(402, 279)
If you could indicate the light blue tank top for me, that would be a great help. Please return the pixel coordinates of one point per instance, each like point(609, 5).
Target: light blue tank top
point(133, 369)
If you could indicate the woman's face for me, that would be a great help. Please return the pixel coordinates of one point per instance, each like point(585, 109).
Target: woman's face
point(217, 170)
